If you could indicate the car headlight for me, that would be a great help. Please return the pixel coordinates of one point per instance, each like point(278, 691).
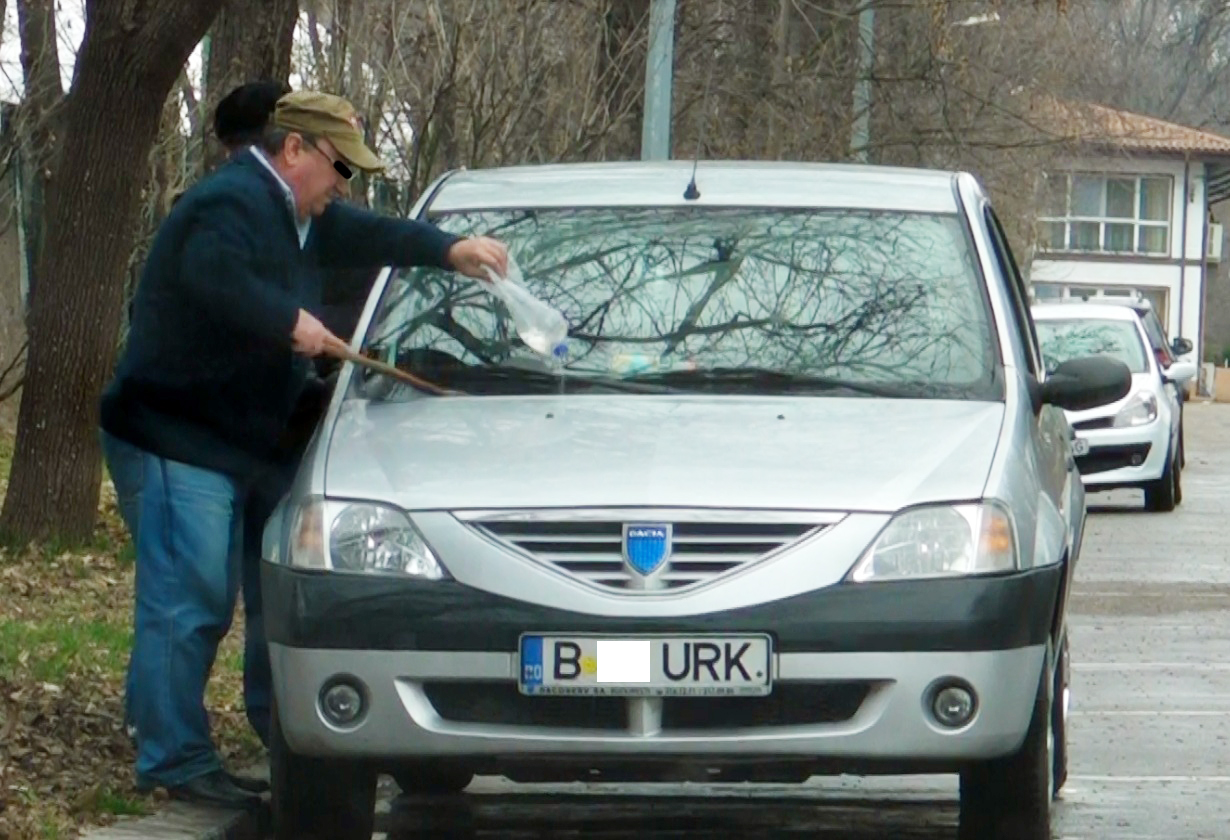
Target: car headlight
point(1140, 409)
point(359, 537)
point(941, 541)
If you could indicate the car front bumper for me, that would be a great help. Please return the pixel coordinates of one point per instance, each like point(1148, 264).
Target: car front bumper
point(1124, 457)
point(853, 669)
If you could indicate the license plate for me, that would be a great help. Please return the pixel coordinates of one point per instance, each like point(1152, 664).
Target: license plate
point(1080, 447)
point(646, 666)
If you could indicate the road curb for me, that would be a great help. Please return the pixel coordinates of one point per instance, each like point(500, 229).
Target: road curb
point(182, 821)
point(175, 820)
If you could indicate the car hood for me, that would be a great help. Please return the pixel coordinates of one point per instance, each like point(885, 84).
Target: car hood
point(829, 453)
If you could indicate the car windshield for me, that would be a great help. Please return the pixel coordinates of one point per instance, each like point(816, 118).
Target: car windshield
point(1066, 339)
point(707, 300)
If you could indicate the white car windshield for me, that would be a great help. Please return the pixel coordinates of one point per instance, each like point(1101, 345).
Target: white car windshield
point(705, 299)
point(1066, 339)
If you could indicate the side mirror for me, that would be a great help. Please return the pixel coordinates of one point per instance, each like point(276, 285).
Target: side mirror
point(1180, 372)
point(1085, 383)
point(1181, 346)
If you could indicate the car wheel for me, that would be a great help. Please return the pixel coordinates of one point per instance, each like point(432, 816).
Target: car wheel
point(325, 799)
point(1010, 798)
point(431, 777)
point(1060, 707)
point(1160, 495)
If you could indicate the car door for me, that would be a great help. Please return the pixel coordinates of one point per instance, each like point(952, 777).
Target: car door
point(1053, 435)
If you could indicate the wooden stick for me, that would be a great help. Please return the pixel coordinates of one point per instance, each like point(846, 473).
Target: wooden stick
point(340, 350)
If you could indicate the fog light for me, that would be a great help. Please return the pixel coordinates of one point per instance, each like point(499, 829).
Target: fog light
point(953, 705)
point(342, 703)
point(1137, 459)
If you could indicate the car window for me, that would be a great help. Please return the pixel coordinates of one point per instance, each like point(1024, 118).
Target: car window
point(1157, 337)
point(1067, 339)
point(1016, 289)
point(882, 298)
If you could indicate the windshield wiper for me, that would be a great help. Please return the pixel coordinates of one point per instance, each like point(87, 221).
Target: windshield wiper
point(546, 380)
point(752, 377)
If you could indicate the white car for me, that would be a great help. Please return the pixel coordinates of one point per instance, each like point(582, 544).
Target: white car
point(1134, 442)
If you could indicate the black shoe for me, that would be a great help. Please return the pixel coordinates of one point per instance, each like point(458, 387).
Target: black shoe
point(247, 783)
point(214, 789)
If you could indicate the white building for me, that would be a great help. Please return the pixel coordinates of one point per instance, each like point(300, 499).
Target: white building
point(1129, 214)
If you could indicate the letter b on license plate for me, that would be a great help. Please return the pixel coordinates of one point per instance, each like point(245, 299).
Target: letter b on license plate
point(646, 666)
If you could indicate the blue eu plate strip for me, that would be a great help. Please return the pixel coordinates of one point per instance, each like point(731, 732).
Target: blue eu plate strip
point(531, 661)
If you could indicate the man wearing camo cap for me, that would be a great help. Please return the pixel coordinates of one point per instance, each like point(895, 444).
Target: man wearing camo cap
point(217, 357)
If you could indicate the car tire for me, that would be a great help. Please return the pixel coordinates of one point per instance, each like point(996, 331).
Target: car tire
point(1009, 798)
point(431, 778)
point(1060, 707)
point(324, 799)
point(1161, 496)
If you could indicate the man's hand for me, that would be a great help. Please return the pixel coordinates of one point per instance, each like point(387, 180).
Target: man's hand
point(470, 255)
point(310, 335)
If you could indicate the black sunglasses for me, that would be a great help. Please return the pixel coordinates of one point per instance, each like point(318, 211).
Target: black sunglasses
point(341, 168)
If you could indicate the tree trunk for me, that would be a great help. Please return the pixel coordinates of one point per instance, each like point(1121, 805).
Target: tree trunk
point(130, 56)
point(250, 42)
point(40, 68)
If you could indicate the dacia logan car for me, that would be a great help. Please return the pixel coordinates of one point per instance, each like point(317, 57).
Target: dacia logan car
point(797, 497)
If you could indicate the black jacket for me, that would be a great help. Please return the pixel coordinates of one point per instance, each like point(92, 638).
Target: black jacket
point(208, 376)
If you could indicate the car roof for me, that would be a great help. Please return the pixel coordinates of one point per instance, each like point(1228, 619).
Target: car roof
point(720, 183)
point(1083, 312)
point(1139, 304)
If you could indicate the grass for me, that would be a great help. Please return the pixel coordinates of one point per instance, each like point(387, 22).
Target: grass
point(65, 634)
point(121, 806)
point(55, 647)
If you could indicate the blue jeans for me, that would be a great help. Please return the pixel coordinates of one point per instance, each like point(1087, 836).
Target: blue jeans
point(188, 526)
point(125, 463)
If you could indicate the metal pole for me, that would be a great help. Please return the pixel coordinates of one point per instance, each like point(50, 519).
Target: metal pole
point(659, 78)
point(860, 136)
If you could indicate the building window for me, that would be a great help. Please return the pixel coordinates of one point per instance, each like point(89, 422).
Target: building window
point(1106, 214)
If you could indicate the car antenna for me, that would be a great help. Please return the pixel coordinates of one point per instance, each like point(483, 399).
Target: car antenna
point(692, 193)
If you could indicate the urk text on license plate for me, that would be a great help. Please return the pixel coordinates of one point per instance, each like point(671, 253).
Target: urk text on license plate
point(646, 666)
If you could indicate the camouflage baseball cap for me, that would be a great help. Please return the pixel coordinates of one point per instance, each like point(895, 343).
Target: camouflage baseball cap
point(331, 117)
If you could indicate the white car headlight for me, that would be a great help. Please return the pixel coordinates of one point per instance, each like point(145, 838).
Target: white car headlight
point(359, 537)
point(941, 541)
point(1140, 409)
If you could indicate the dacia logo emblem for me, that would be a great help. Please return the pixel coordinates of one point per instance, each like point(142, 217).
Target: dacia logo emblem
point(646, 547)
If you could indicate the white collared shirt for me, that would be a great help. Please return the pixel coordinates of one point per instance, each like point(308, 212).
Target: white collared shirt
point(303, 226)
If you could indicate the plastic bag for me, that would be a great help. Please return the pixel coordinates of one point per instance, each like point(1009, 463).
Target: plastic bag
point(543, 328)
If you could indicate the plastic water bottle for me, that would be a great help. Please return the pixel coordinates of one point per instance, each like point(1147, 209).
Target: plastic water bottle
point(543, 328)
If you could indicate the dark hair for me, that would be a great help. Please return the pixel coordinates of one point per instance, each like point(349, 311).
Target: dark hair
point(242, 115)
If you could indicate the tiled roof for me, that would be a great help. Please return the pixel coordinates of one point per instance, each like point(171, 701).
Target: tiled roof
point(1098, 125)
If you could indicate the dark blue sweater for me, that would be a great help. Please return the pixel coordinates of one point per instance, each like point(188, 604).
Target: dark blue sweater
point(208, 376)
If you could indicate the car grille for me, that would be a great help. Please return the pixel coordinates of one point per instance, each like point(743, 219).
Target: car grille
point(1105, 458)
point(499, 703)
point(701, 551)
point(1096, 423)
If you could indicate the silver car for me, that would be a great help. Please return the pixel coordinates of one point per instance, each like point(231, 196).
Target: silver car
point(797, 498)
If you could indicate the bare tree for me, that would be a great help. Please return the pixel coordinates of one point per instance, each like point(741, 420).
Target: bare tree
point(248, 42)
point(40, 65)
point(130, 56)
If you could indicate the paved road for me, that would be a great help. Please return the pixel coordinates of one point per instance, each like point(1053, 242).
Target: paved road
point(1150, 758)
